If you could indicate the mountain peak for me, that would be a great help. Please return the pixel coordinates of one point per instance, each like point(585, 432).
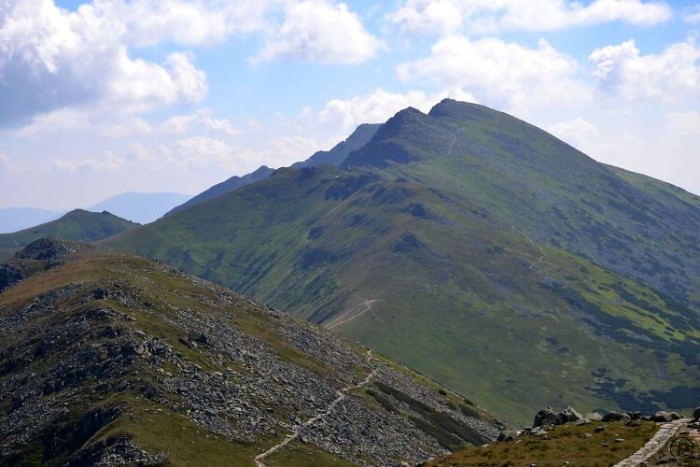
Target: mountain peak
point(450, 109)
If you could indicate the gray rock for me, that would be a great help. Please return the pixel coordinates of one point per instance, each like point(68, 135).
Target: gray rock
point(662, 416)
point(696, 414)
point(615, 416)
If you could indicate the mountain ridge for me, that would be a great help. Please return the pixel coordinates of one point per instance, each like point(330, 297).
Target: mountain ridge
point(160, 366)
point(493, 232)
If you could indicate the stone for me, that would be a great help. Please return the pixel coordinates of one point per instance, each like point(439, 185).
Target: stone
point(662, 417)
point(545, 417)
point(614, 416)
point(594, 416)
point(569, 415)
point(696, 414)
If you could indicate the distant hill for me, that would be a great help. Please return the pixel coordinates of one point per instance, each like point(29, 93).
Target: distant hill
point(15, 219)
point(109, 359)
point(140, 207)
point(334, 157)
point(75, 225)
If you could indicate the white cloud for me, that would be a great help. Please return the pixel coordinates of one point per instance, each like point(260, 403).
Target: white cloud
point(320, 31)
point(203, 119)
point(621, 71)
point(190, 23)
point(577, 132)
point(475, 16)
point(52, 59)
point(106, 162)
point(380, 105)
point(504, 73)
point(134, 126)
point(684, 123)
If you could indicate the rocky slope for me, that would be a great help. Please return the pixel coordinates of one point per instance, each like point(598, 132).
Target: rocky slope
point(110, 359)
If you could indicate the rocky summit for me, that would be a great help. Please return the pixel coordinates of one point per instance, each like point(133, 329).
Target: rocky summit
point(109, 359)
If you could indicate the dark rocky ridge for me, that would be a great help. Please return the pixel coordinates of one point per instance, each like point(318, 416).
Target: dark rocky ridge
point(103, 349)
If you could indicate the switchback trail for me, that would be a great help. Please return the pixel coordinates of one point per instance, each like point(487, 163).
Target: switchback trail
point(296, 431)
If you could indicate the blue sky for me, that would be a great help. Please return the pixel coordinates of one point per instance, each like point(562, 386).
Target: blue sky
point(103, 97)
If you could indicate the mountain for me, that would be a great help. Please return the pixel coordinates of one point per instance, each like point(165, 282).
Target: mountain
point(224, 187)
point(477, 249)
point(334, 157)
point(15, 219)
point(109, 359)
point(140, 207)
point(361, 136)
point(75, 225)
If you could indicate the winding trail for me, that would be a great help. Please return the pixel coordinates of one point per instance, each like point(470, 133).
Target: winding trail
point(544, 253)
point(296, 431)
point(666, 432)
point(352, 313)
point(454, 140)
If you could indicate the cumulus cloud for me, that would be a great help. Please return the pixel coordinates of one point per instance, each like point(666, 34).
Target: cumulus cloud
point(506, 73)
point(379, 105)
point(450, 16)
point(52, 59)
point(320, 31)
point(622, 71)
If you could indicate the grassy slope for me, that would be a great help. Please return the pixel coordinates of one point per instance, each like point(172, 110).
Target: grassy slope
point(453, 248)
point(577, 445)
point(76, 225)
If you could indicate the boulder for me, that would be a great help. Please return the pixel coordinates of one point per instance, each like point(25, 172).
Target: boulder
point(662, 416)
point(594, 416)
point(569, 415)
point(615, 416)
point(545, 417)
point(696, 414)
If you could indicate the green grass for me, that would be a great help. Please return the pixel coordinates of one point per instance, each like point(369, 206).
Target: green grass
point(299, 454)
point(581, 445)
point(76, 225)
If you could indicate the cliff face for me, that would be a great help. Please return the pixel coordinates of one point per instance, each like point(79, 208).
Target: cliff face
point(113, 359)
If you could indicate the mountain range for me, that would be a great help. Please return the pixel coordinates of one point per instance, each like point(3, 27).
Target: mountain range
point(475, 248)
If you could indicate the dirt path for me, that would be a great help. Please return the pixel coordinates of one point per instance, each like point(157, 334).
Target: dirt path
point(352, 313)
point(544, 253)
point(666, 432)
point(296, 431)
